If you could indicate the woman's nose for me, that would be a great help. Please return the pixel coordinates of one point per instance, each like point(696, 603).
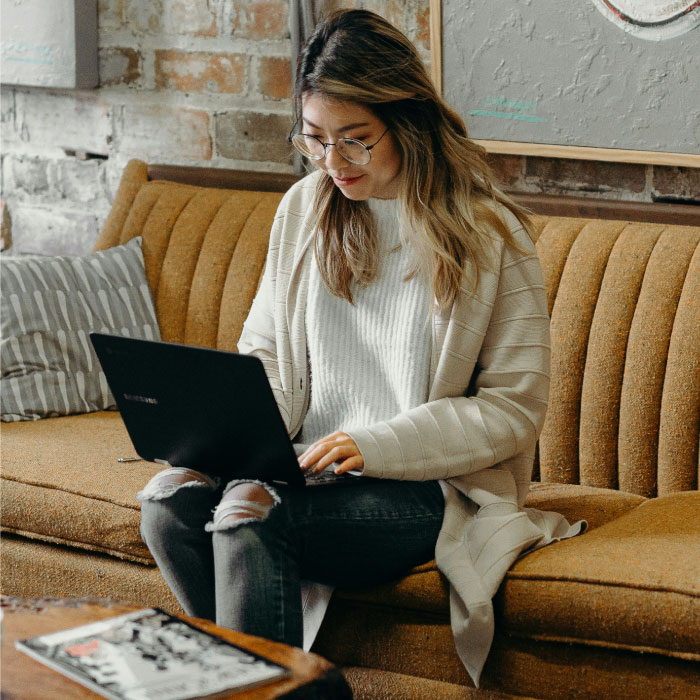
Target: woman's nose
point(334, 161)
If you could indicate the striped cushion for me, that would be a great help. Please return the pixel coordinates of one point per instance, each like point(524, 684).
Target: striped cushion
point(49, 305)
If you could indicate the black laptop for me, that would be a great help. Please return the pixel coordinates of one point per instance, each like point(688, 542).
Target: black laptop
point(208, 410)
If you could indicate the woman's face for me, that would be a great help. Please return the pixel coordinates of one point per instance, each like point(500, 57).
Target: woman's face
point(330, 120)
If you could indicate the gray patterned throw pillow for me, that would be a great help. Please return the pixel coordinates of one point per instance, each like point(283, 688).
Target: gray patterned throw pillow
point(48, 307)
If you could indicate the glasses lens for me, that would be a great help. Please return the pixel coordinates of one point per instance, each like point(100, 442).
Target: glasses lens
point(309, 146)
point(354, 151)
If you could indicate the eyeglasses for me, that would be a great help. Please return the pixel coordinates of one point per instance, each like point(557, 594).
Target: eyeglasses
point(352, 150)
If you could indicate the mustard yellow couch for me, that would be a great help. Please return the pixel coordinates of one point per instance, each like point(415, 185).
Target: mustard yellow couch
point(614, 613)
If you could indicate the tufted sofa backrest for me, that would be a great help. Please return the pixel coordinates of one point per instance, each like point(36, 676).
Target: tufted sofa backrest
point(624, 299)
point(624, 408)
point(204, 251)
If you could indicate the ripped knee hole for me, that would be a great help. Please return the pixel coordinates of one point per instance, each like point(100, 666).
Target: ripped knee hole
point(169, 481)
point(246, 501)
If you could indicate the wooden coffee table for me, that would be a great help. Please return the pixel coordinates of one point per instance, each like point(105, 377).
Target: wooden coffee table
point(23, 678)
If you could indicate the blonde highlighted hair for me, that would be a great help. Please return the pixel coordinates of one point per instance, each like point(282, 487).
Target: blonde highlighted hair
point(449, 199)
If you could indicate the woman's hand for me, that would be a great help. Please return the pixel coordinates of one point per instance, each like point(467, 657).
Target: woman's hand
point(332, 448)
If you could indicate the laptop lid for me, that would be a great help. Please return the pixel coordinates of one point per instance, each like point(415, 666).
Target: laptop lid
point(208, 410)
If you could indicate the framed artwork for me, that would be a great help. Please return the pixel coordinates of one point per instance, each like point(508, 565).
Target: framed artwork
point(49, 43)
point(615, 80)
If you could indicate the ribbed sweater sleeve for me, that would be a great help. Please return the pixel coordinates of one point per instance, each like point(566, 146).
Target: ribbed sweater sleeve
point(502, 412)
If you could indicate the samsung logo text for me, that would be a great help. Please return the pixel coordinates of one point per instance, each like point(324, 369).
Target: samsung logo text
point(141, 399)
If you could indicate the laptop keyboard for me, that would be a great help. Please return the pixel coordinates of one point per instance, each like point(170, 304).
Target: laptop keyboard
point(328, 476)
point(324, 476)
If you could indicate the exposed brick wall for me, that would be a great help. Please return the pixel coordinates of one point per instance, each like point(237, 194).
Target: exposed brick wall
point(207, 82)
point(582, 178)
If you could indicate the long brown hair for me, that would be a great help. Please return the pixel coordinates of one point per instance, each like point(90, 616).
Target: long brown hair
point(446, 187)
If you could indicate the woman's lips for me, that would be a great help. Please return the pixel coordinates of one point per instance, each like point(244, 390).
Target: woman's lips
point(346, 181)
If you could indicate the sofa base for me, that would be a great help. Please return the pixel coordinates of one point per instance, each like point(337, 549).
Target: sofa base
point(378, 668)
point(516, 667)
point(371, 684)
point(33, 569)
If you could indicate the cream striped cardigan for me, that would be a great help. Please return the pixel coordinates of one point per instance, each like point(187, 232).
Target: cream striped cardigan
point(489, 380)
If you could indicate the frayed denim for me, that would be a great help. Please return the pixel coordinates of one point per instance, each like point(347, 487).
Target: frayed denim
point(156, 490)
point(240, 507)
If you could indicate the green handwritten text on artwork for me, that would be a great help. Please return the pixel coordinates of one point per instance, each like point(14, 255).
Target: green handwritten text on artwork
point(508, 108)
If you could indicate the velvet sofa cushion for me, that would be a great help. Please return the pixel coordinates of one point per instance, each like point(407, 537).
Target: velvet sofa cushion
point(86, 499)
point(49, 305)
point(584, 608)
point(33, 567)
point(632, 583)
point(426, 591)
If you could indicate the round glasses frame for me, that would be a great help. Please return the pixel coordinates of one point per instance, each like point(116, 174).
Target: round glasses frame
point(297, 140)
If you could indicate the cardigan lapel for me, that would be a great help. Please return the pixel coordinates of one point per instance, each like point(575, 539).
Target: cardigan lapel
point(456, 347)
point(440, 322)
point(296, 298)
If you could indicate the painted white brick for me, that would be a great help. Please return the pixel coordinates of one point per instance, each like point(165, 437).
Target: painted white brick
point(77, 121)
point(144, 17)
point(50, 231)
point(82, 181)
point(7, 116)
point(47, 181)
point(25, 177)
point(189, 17)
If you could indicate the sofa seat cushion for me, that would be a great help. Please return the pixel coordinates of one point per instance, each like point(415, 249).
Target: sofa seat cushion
point(62, 483)
point(596, 506)
point(629, 583)
point(425, 590)
point(34, 569)
point(632, 583)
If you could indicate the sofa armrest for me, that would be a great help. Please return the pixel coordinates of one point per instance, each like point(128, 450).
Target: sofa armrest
point(135, 174)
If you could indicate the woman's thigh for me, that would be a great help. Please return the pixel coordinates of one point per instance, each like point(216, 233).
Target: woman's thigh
point(364, 533)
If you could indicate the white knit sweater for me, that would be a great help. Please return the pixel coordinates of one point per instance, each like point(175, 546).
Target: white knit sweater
point(487, 396)
point(370, 360)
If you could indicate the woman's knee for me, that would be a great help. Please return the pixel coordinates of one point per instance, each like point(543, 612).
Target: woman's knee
point(169, 481)
point(243, 502)
point(174, 501)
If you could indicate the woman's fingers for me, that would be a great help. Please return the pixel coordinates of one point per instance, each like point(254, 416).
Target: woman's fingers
point(317, 450)
point(313, 454)
point(348, 457)
point(326, 454)
point(354, 463)
point(333, 455)
point(332, 448)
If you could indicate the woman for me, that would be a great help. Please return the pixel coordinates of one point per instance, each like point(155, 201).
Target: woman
point(403, 326)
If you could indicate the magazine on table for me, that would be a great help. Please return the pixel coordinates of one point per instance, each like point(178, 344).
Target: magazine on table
point(151, 655)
